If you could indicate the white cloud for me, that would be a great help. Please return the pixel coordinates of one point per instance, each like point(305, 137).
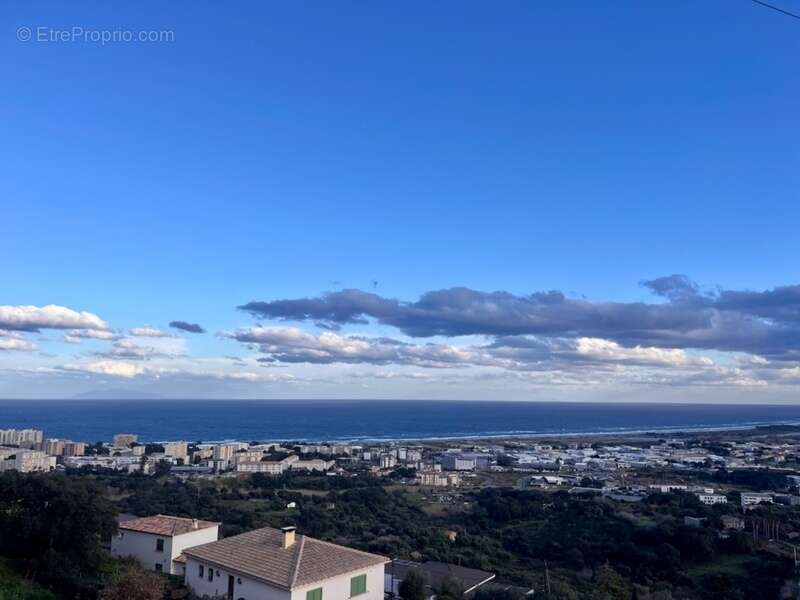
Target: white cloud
point(114, 368)
point(15, 343)
point(129, 370)
point(600, 349)
point(150, 332)
point(52, 316)
point(128, 348)
point(292, 345)
point(75, 336)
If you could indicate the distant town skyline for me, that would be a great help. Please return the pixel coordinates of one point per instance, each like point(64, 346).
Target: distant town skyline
point(570, 201)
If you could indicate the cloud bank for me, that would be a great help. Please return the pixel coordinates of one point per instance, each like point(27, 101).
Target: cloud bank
point(765, 323)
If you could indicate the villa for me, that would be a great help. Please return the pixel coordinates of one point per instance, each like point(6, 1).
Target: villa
point(158, 542)
point(277, 564)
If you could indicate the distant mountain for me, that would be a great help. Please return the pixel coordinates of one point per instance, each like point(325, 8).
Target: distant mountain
point(116, 394)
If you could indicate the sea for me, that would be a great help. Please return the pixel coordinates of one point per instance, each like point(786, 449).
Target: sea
point(365, 420)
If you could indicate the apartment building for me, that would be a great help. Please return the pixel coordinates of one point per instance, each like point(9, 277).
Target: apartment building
point(223, 453)
point(753, 499)
point(121, 440)
point(457, 462)
point(59, 447)
point(438, 479)
point(27, 461)
point(19, 437)
point(711, 499)
point(176, 449)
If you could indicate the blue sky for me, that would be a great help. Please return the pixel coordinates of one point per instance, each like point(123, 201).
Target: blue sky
point(274, 151)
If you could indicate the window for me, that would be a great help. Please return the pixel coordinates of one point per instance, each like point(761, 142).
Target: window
point(358, 585)
point(159, 545)
point(314, 594)
point(159, 567)
point(200, 571)
point(210, 574)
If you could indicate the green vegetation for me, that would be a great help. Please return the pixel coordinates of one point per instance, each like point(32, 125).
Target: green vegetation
point(579, 547)
point(14, 587)
point(52, 528)
point(414, 586)
point(131, 582)
point(593, 548)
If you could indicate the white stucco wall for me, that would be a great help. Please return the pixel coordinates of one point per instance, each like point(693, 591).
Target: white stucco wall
point(337, 588)
point(142, 547)
point(248, 589)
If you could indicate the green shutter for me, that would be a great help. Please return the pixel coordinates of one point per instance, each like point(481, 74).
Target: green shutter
point(314, 594)
point(358, 585)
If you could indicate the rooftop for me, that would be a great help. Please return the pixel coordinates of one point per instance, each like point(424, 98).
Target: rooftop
point(259, 554)
point(165, 525)
point(438, 572)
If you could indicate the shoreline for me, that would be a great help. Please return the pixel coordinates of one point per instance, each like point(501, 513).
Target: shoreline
point(519, 436)
point(386, 423)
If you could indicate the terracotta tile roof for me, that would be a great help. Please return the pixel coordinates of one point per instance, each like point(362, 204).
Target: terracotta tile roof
point(165, 525)
point(258, 554)
point(181, 558)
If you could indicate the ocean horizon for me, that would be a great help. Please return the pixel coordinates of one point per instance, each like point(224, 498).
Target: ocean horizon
point(378, 420)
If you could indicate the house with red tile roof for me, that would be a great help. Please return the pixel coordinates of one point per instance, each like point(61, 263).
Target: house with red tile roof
point(278, 564)
point(158, 542)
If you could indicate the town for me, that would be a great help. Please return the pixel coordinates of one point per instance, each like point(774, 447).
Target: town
point(203, 513)
point(626, 472)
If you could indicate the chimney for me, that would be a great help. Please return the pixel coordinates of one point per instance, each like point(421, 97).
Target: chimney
point(194, 523)
point(288, 536)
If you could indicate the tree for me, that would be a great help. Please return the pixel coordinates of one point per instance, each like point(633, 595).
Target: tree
point(609, 585)
point(55, 526)
point(496, 592)
point(414, 586)
point(162, 468)
point(134, 583)
point(450, 588)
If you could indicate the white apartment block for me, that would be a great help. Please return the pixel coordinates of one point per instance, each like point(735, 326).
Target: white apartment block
point(158, 542)
point(711, 499)
point(668, 488)
point(438, 479)
point(59, 447)
point(273, 564)
point(314, 464)
point(247, 456)
point(225, 452)
point(269, 467)
point(74, 448)
point(455, 462)
point(751, 499)
point(27, 461)
point(176, 449)
point(16, 437)
point(277, 467)
point(129, 463)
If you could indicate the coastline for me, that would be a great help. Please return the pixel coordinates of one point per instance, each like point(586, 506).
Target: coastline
point(522, 436)
point(382, 422)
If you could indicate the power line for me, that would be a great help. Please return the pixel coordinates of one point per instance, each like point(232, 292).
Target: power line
point(780, 10)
